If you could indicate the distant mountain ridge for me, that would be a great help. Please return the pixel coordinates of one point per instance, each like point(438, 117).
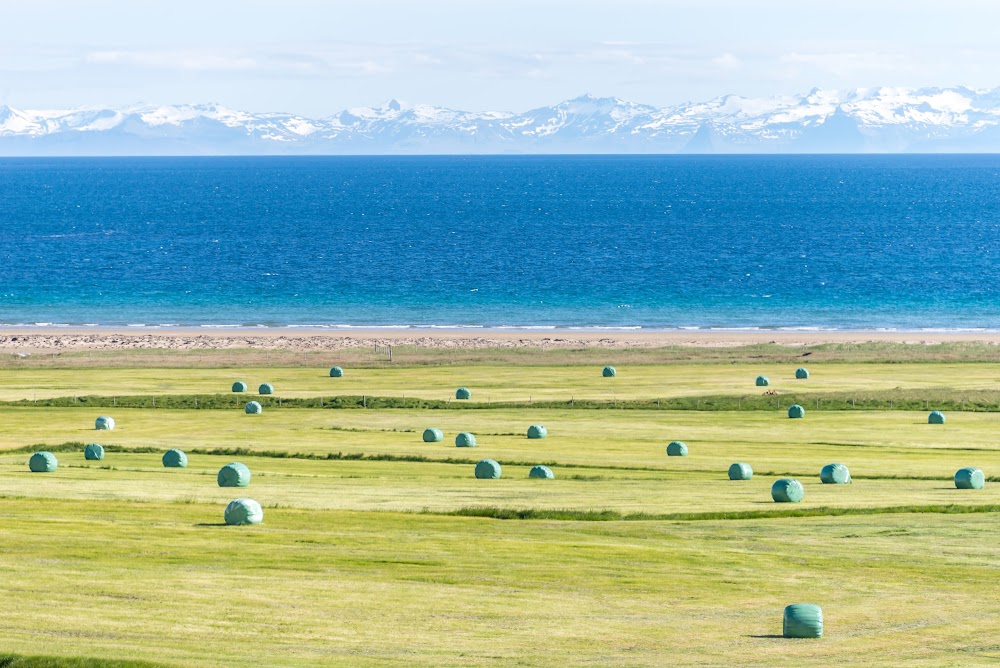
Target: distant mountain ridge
point(876, 120)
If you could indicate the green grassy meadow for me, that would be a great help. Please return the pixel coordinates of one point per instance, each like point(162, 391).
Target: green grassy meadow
point(378, 549)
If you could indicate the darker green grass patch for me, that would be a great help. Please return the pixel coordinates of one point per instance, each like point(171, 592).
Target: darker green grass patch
point(21, 661)
point(565, 514)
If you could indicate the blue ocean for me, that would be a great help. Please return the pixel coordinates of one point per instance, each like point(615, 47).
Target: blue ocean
point(840, 242)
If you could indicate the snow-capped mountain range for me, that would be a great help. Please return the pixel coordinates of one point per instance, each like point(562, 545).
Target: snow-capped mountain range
point(888, 120)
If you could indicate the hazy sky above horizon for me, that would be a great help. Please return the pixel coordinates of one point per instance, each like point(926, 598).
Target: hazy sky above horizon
point(315, 58)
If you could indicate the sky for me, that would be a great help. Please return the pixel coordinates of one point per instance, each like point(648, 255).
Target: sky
point(317, 57)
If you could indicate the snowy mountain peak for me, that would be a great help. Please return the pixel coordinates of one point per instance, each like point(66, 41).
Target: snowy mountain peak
point(886, 119)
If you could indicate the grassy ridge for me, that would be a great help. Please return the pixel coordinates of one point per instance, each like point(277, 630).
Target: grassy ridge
point(606, 515)
point(20, 661)
point(945, 399)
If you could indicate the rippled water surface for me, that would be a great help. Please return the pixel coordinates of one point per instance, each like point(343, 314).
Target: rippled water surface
point(805, 241)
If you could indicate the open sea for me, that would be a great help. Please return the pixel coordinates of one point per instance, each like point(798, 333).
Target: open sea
point(829, 242)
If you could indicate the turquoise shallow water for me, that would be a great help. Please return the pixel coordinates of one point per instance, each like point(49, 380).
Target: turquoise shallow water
point(905, 242)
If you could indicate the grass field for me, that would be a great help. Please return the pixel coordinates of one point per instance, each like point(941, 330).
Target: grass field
point(380, 550)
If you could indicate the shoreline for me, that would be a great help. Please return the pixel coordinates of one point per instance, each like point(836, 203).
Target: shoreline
point(47, 339)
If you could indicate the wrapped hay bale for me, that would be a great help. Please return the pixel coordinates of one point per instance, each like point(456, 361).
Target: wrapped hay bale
point(465, 440)
point(104, 423)
point(537, 431)
point(240, 386)
point(336, 372)
point(936, 417)
point(740, 471)
point(243, 511)
point(677, 449)
point(541, 472)
point(487, 469)
point(175, 459)
point(762, 381)
point(787, 490)
point(796, 411)
point(265, 388)
point(835, 474)
point(43, 462)
point(253, 408)
point(609, 372)
point(969, 478)
point(94, 452)
point(802, 373)
point(433, 435)
point(234, 475)
point(802, 620)
point(463, 393)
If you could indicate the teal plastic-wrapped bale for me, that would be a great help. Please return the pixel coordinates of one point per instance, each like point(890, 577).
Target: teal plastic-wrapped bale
point(234, 475)
point(432, 435)
point(609, 372)
point(465, 440)
point(463, 393)
point(265, 388)
point(105, 423)
point(240, 386)
point(537, 431)
point(796, 411)
point(677, 449)
point(175, 459)
point(43, 462)
point(253, 408)
point(762, 381)
point(94, 452)
point(835, 474)
point(802, 373)
point(740, 471)
point(936, 417)
point(244, 511)
point(487, 469)
point(787, 490)
point(803, 620)
point(969, 478)
point(336, 372)
point(541, 472)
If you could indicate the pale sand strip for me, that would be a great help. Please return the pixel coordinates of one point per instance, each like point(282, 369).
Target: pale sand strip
point(29, 339)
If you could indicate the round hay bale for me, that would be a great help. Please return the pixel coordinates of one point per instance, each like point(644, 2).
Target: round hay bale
point(835, 474)
point(465, 440)
point(175, 459)
point(936, 417)
point(253, 408)
point(43, 462)
point(740, 471)
point(244, 511)
point(609, 372)
point(94, 452)
point(105, 423)
point(234, 475)
point(969, 478)
point(802, 620)
point(487, 469)
point(787, 490)
point(265, 388)
point(537, 431)
point(796, 411)
point(762, 381)
point(240, 386)
point(677, 449)
point(541, 472)
point(802, 373)
point(432, 435)
point(463, 393)
point(336, 372)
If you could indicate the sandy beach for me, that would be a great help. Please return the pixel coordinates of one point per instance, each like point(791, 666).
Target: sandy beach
point(69, 339)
